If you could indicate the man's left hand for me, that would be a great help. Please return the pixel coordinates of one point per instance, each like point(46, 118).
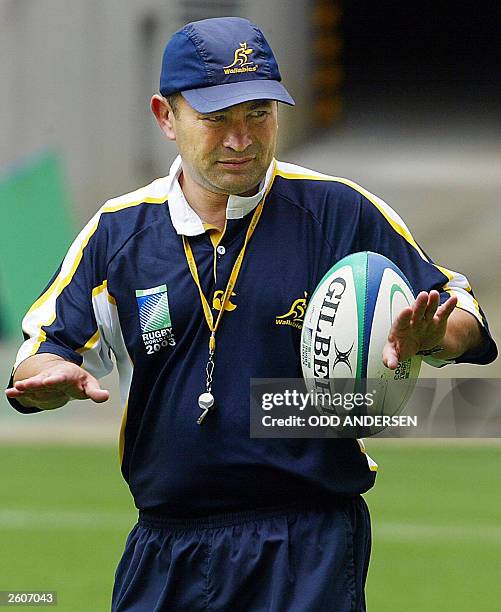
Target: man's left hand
point(419, 327)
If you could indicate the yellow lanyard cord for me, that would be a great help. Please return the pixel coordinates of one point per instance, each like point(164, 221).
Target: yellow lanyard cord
point(206, 399)
point(231, 281)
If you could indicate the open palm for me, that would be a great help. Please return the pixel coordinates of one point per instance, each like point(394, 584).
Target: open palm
point(56, 385)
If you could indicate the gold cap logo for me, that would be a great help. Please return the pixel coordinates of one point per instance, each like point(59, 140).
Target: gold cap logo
point(241, 61)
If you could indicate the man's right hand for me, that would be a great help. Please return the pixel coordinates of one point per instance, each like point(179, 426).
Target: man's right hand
point(47, 381)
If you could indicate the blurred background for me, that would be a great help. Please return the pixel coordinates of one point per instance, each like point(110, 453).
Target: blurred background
point(404, 100)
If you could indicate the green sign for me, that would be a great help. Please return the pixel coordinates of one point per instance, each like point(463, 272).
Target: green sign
point(36, 229)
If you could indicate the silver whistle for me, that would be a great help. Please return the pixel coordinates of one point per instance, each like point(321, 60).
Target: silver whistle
point(206, 403)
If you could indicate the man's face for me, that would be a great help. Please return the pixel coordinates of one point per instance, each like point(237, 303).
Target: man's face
point(227, 151)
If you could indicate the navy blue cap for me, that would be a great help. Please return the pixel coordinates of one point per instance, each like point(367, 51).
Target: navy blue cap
point(216, 63)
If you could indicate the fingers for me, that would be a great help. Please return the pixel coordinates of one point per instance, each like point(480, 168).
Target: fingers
point(403, 320)
point(419, 307)
point(92, 389)
point(41, 381)
point(71, 383)
point(390, 356)
point(44, 397)
point(432, 305)
point(94, 392)
point(425, 307)
point(446, 309)
point(13, 392)
point(420, 326)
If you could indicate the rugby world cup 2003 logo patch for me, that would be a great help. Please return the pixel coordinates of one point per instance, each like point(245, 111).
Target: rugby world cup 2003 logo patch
point(154, 318)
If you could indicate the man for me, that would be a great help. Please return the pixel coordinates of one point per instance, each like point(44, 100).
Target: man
point(183, 280)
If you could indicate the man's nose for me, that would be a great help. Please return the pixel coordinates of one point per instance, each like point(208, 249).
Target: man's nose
point(238, 137)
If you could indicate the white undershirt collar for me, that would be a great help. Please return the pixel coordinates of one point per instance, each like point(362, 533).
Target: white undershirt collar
point(186, 221)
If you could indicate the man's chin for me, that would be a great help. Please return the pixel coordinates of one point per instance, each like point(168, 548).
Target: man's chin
point(232, 184)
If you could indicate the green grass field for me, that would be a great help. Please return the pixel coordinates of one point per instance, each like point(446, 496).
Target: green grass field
point(436, 513)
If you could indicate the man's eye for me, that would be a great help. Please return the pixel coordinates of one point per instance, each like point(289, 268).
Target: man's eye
point(214, 118)
point(259, 114)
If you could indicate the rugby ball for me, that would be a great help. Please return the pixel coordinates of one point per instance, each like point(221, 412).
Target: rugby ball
point(346, 326)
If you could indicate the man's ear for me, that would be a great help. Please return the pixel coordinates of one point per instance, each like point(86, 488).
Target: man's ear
point(164, 116)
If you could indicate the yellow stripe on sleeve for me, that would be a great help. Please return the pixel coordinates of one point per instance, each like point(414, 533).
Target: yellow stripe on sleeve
point(93, 340)
point(100, 288)
point(91, 343)
point(104, 287)
point(110, 208)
